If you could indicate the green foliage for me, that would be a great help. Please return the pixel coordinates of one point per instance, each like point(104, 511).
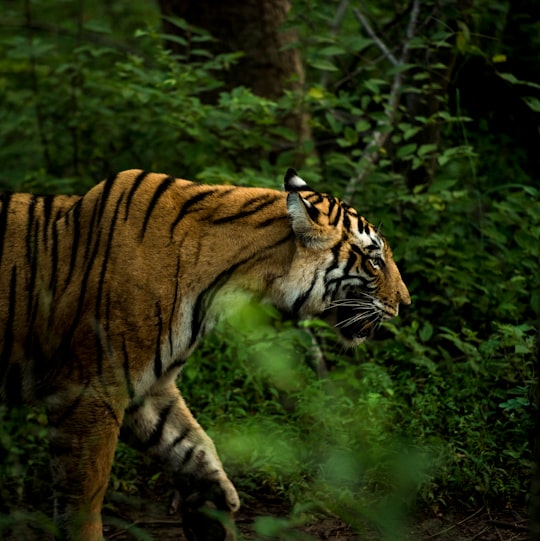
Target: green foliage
point(438, 408)
point(330, 442)
point(82, 109)
point(23, 453)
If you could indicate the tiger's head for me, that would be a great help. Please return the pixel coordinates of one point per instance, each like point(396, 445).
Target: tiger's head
point(344, 271)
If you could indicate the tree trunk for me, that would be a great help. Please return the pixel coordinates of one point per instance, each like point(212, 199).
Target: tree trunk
point(268, 67)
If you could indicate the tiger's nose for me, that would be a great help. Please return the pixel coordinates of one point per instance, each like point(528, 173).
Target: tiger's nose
point(403, 295)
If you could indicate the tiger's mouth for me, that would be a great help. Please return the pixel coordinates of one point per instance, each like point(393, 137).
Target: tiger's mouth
point(356, 320)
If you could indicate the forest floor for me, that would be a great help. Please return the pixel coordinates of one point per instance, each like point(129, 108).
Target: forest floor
point(148, 520)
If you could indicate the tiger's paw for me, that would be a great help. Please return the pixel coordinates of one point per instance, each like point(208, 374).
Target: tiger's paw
point(206, 523)
point(208, 507)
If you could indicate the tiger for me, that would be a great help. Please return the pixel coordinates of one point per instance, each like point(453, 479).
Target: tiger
point(103, 297)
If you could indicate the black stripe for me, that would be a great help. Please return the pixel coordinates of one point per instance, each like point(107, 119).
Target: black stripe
point(300, 301)
point(313, 212)
point(107, 320)
point(105, 192)
point(135, 405)
point(365, 283)
point(335, 263)
point(111, 411)
point(54, 255)
point(157, 432)
point(106, 254)
point(127, 371)
point(136, 183)
point(5, 199)
point(80, 302)
point(47, 212)
point(331, 205)
point(315, 198)
point(175, 365)
point(271, 221)
point(158, 363)
point(8, 332)
point(264, 202)
point(179, 439)
point(166, 183)
point(101, 282)
point(175, 300)
point(33, 298)
point(188, 204)
point(30, 245)
point(205, 298)
point(330, 290)
point(76, 211)
point(346, 221)
point(91, 231)
point(31, 252)
point(351, 260)
point(337, 217)
point(187, 456)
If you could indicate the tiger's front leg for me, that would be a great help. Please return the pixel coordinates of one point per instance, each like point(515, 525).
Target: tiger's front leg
point(163, 426)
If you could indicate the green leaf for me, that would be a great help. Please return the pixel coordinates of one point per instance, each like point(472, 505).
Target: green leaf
point(323, 64)
point(426, 332)
point(411, 132)
point(406, 150)
point(332, 50)
point(362, 125)
point(98, 26)
point(427, 149)
point(533, 103)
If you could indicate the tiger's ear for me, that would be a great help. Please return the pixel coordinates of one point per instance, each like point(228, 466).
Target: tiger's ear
point(293, 183)
point(304, 215)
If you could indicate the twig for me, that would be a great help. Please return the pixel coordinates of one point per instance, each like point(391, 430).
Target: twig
point(336, 23)
point(371, 151)
point(334, 28)
point(143, 522)
point(495, 526)
point(508, 525)
point(367, 27)
point(456, 524)
point(318, 356)
point(481, 532)
point(40, 119)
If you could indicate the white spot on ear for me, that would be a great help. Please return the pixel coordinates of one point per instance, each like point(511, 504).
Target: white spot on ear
point(293, 182)
point(297, 182)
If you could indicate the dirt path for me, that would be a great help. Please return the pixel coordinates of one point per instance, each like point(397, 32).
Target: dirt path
point(147, 520)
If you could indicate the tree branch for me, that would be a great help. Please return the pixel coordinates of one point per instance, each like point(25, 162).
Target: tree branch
point(334, 27)
point(371, 153)
point(380, 44)
point(40, 119)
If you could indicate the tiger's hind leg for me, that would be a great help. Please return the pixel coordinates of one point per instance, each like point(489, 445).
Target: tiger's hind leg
point(83, 437)
point(162, 426)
